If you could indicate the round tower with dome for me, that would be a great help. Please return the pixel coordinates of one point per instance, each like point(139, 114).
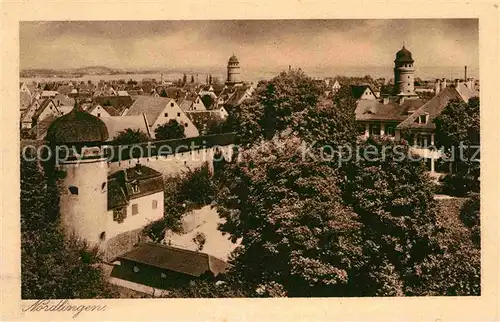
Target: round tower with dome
point(233, 71)
point(77, 142)
point(404, 74)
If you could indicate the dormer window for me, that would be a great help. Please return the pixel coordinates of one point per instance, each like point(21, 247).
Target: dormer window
point(422, 119)
point(135, 187)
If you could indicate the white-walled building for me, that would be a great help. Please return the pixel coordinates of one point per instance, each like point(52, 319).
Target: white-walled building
point(159, 111)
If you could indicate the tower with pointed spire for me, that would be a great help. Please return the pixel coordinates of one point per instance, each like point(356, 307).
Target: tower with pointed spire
point(233, 71)
point(404, 74)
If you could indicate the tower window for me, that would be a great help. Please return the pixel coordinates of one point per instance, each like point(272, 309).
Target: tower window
point(73, 190)
point(119, 214)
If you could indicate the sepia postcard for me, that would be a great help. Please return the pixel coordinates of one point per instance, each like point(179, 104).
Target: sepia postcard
point(220, 161)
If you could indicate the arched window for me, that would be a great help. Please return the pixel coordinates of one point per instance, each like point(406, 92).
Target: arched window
point(102, 236)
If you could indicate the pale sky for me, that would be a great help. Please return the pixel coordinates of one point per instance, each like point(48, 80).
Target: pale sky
point(259, 44)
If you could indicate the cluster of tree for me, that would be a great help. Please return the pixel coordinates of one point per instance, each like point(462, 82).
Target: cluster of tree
point(170, 130)
point(130, 136)
point(53, 265)
point(312, 225)
point(183, 193)
point(458, 133)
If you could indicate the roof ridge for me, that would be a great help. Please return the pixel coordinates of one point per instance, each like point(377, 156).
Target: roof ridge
point(182, 250)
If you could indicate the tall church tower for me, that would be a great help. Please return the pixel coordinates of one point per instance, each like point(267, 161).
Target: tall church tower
point(404, 74)
point(233, 71)
point(78, 138)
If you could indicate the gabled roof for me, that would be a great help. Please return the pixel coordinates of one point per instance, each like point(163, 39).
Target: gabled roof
point(111, 110)
point(465, 92)
point(148, 181)
point(185, 104)
point(358, 90)
point(432, 108)
point(235, 99)
point(118, 102)
point(151, 106)
point(42, 107)
point(25, 99)
point(117, 124)
point(371, 110)
point(176, 259)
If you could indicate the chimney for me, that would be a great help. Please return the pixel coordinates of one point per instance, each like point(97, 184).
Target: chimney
point(470, 83)
point(437, 86)
point(443, 84)
point(465, 74)
point(456, 82)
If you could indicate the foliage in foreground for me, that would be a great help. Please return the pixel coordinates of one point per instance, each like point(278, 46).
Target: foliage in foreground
point(458, 132)
point(390, 225)
point(289, 214)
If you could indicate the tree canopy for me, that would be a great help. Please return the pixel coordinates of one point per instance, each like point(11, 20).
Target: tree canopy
point(287, 209)
point(170, 130)
point(458, 133)
point(130, 136)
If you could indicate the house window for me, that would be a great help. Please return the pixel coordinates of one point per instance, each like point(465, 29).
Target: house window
point(390, 130)
point(73, 190)
point(135, 209)
point(423, 140)
point(172, 104)
point(155, 204)
point(102, 236)
point(103, 185)
point(98, 114)
point(135, 187)
point(178, 114)
point(119, 214)
point(375, 129)
point(166, 114)
point(136, 269)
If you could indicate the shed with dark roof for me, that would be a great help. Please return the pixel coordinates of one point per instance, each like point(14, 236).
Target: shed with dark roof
point(175, 259)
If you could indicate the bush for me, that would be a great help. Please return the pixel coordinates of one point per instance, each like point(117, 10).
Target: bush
point(460, 184)
point(170, 130)
point(182, 193)
point(471, 217)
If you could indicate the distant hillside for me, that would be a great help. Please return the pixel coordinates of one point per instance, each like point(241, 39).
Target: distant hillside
point(90, 70)
point(94, 70)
